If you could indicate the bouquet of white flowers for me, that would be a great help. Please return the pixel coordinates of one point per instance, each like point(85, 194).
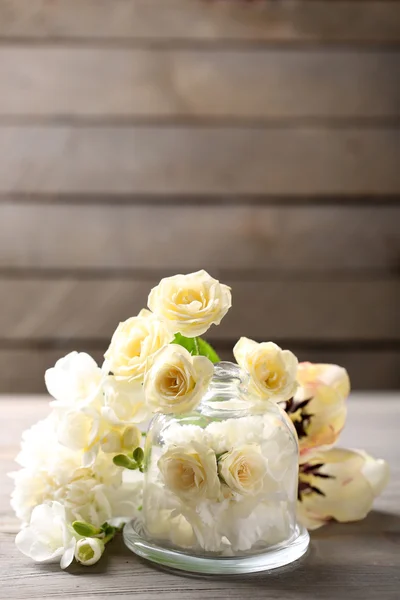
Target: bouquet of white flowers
point(81, 467)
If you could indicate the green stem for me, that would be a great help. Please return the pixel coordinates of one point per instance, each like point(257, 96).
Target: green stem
point(108, 537)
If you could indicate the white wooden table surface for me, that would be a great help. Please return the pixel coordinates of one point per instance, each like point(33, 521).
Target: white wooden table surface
point(358, 561)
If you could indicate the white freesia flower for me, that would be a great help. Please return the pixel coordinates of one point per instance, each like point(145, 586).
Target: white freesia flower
point(190, 472)
point(190, 304)
point(244, 469)
point(36, 442)
point(88, 551)
point(272, 370)
point(338, 484)
point(124, 402)
point(93, 495)
point(175, 381)
point(121, 440)
point(74, 380)
point(52, 472)
point(47, 538)
point(80, 430)
point(133, 342)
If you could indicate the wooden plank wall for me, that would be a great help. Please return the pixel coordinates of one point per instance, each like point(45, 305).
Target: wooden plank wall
point(261, 141)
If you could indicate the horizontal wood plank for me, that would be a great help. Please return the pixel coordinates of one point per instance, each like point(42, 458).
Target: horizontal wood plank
point(76, 82)
point(172, 160)
point(186, 238)
point(22, 370)
point(372, 21)
point(316, 309)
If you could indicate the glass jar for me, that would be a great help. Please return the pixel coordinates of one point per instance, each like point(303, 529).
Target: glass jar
point(220, 485)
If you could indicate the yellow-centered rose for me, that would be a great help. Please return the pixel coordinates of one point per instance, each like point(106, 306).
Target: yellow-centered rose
point(272, 370)
point(244, 469)
point(190, 472)
point(190, 304)
point(133, 342)
point(175, 381)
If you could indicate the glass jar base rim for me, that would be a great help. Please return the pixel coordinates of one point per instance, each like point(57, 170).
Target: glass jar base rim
point(272, 558)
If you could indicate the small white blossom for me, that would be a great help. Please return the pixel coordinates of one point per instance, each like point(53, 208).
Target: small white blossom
point(88, 551)
point(75, 380)
point(47, 538)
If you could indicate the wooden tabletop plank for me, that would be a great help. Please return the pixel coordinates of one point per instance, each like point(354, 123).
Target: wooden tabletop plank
point(356, 561)
point(81, 83)
point(242, 237)
point(172, 160)
point(200, 20)
point(326, 309)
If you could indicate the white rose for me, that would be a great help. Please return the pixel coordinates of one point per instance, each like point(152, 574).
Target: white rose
point(133, 342)
point(244, 469)
point(190, 472)
point(89, 550)
point(124, 402)
point(190, 304)
point(272, 370)
point(74, 380)
point(47, 538)
point(175, 381)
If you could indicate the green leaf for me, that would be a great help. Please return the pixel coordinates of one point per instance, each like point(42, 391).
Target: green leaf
point(206, 350)
point(138, 455)
point(108, 529)
point(121, 460)
point(196, 347)
point(85, 529)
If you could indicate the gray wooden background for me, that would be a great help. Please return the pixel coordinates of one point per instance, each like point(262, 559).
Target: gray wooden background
point(260, 141)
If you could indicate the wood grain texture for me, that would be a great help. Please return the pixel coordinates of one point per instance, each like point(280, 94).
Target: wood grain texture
point(199, 20)
point(22, 370)
point(81, 82)
point(356, 561)
point(314, 309)
point(179, 238)
point(174, 160)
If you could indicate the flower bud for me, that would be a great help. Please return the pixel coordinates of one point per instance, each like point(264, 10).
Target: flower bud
point(89, 550)
point(86, 529)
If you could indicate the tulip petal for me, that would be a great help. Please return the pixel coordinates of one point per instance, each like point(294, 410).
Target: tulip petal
point(338, 484)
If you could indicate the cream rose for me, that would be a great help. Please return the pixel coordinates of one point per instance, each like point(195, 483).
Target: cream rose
point(190, 472)
point(272, 370)
point(133, 342)
point(190, 304)
point(244, 469)
point(175, 381)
